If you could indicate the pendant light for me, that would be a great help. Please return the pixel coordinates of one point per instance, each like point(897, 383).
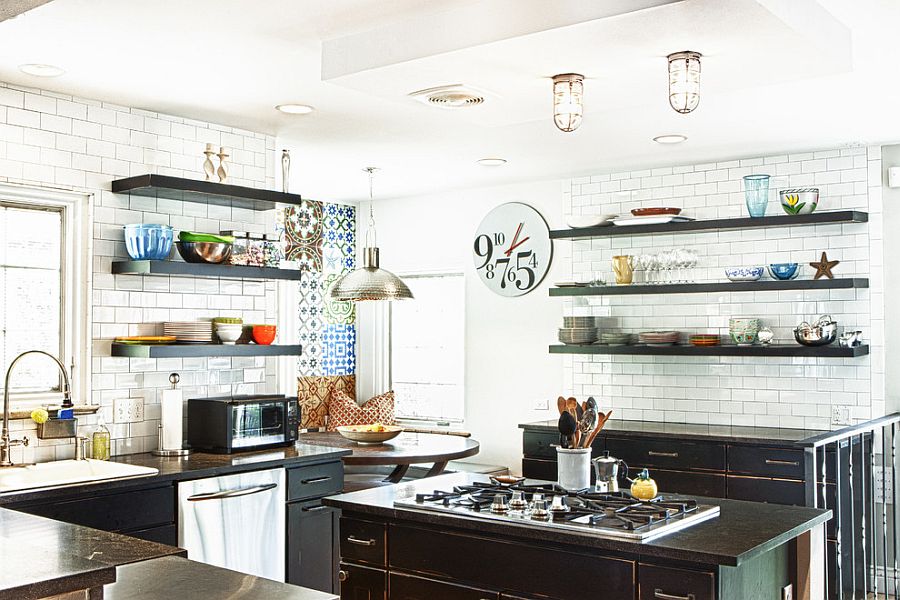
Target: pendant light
point(568, 101)
point(370, 282)
point(684, 80)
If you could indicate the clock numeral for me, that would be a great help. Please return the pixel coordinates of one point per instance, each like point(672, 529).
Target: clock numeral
point(489, 271)
point(527, 269)
point(484, 248)
point(499, 239)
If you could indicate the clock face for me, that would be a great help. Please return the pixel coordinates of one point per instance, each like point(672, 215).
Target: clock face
point(512, 249)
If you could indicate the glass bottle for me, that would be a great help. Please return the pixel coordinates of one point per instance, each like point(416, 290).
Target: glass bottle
point(100, 442)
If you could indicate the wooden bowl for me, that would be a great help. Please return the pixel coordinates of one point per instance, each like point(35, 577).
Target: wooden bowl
point(355, 433)
point(655, 211)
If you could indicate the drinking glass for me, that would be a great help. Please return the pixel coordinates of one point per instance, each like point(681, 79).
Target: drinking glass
point(756, 194)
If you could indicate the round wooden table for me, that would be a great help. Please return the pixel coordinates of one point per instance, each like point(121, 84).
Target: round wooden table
point(404, 450)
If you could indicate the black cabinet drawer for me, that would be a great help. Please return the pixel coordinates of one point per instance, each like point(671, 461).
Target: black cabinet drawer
point(665, 583)
point(363, 541)
point(167, 534)
point(766, 462)
point(315, 480)
point(360, 583)
point(117, 511)
point(539, 469)
point(671, 454)
point(408, 587)
point(686, 482)
point(761, 489)
point(540, 444)
point(510, 566)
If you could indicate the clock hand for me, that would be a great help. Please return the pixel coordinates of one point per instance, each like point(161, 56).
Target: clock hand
point(511, 248)
point(515, 237)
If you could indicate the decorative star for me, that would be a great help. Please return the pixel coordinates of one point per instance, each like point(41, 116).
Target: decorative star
point(824, 267)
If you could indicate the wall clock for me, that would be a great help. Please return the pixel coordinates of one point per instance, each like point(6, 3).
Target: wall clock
point(512, 249)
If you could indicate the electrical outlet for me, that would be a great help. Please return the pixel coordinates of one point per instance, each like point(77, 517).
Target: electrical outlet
point(840, 415)
point(128, 410)
point(787, 592)
point(884, 488)
point(541, 404)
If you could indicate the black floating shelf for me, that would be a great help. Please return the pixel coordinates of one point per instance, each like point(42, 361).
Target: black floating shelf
point(832, 351)
point(169, 267)
point(720, 286)
point(818, 218)
point(200, 350)
point(203, 192)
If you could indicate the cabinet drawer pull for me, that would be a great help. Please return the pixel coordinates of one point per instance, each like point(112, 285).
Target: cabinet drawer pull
point(359, 542)
point(788, 463)
point(665, 454)
point(343, 575)
point(313, 508)
point(661, 595)
point(315, 480)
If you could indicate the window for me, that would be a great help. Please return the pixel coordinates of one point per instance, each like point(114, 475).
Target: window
point(427, 338)
point(43, 258)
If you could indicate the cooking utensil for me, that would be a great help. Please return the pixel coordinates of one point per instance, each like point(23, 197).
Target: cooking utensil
point(587, 423)
point(579, 412)
point(567, 427)
point(204, 252)
point(572, 407)
point(561, 404)
point(600, 423)
point(820, 333)
point(591, 403)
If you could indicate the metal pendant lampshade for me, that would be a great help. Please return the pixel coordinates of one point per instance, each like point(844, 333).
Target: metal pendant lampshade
point(370, 282)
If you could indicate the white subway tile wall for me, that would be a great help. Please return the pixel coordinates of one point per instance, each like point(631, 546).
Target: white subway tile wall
point(54, 140)
point(764, 392)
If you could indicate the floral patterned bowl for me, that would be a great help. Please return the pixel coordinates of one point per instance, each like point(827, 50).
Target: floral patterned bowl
point(799, 201)
point(744, 273)
point(784, 271)
point(743, 330)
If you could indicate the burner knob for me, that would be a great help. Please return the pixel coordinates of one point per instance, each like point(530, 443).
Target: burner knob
point(537, 497)
point(539, 510)
point(499, 505)
point(559, 505)
point(518, 502)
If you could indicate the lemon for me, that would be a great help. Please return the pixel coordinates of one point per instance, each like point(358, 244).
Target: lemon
point(39, 415)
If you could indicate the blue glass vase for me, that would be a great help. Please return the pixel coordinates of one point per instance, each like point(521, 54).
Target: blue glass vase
point(756, 193)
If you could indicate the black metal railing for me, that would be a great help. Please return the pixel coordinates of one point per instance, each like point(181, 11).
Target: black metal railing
point(843, 474)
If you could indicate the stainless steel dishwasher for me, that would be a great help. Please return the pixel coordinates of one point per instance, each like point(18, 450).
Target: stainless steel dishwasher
point(235, 521)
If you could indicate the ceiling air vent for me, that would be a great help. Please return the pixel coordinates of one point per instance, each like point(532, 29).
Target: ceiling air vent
point(450, 96)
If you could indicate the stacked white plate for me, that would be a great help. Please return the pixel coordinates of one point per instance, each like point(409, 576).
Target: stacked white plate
point(578, 335)
point(195, 332)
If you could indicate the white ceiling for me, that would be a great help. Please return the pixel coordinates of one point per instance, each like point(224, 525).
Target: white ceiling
point(777, 75)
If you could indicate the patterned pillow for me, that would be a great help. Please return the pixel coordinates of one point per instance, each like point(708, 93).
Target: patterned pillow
point(343, 410)
point(314, 394)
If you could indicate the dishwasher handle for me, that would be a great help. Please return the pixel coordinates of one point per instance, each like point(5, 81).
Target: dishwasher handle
point(232, 493)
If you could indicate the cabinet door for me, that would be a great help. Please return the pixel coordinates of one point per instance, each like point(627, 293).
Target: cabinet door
point(362, 583)
point(665, 583)
point(310, 545)
point(407, 587)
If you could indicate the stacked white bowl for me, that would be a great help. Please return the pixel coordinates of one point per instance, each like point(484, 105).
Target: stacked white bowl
point(578, 330)
point(229, 333)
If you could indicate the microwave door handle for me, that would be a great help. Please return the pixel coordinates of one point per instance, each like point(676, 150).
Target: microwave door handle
point(232, 493)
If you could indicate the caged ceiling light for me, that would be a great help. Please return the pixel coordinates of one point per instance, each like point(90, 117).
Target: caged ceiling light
point(684, 80)
point(568, 101)
point(370, 282)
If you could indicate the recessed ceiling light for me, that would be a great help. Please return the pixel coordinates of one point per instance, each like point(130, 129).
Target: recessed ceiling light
point(673, 138)
point(40, 70)
point(491, 162)
point(295, 109)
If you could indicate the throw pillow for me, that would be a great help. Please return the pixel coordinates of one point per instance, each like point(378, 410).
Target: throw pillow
point(314, 394)
point(343, 410)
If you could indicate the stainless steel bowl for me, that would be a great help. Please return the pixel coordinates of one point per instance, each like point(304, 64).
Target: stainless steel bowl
point(820, 334)
point(204, 252)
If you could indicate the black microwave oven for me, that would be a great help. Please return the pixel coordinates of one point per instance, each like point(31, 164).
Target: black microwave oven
point(227, 424)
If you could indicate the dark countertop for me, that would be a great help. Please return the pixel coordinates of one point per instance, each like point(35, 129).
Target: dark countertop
point(684, 431)
point(174, 577)
point(195, 466)
point(741, 531)
point(42, 557)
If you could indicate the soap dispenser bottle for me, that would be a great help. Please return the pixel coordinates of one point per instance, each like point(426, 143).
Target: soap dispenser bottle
point(100, 442)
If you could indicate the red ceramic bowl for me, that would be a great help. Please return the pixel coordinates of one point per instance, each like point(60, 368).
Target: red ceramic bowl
point(264, 334)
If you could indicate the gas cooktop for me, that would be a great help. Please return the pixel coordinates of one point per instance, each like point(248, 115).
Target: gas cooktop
point(607, 514)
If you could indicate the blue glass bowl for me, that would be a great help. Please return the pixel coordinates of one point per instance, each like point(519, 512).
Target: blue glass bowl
point(784, 271)
point(148, 242)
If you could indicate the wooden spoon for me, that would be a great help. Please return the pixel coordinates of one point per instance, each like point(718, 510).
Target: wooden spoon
point(601, 421)
point(572, 407)
point(561, 404)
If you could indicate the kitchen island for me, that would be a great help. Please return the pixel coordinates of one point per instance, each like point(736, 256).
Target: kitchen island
point(750, 551)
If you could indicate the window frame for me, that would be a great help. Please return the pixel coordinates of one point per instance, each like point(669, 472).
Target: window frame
point(75, 267)
point(388, 333)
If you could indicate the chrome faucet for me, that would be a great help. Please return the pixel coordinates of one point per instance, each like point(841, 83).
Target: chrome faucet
point(5, 442)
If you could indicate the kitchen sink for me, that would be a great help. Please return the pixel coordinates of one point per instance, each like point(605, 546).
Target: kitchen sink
point(60, 473)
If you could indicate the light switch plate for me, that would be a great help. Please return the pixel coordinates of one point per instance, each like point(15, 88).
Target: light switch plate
point(840, 415)
point(541, 404)
point(128, 410)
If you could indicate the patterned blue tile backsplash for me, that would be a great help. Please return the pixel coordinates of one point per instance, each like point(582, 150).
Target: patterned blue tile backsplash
point(321, 238)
